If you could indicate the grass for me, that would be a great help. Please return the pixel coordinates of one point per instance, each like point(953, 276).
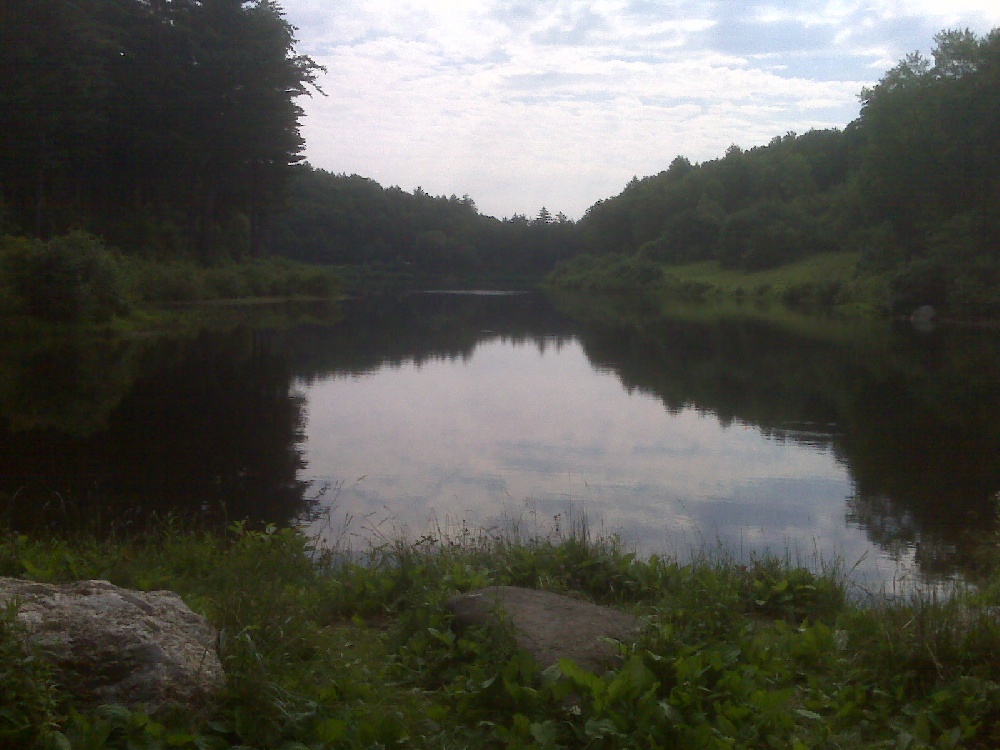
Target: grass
point(824, 280)
point(333, 650)
point(838, 266)
point(75, 281)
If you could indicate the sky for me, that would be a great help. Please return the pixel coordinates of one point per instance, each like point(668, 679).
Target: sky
point(521, 104)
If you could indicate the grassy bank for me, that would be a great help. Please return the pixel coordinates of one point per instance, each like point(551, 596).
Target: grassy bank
point(326, 652)
point(826, 280)
point(75, 278)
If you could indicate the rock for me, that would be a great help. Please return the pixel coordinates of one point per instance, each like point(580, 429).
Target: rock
point(551, 626)
point(114, 645)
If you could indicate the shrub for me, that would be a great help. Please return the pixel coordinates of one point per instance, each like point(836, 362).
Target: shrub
point(154, 281)
point(69, 278)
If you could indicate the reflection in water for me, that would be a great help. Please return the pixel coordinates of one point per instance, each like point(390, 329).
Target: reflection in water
point(462, 442)
point(462, 437)
point(915, 418)
point(678, 426)
point(203, 427)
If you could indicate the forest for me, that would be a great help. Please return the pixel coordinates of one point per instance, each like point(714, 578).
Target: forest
point(169, 130)
point(167, 124)
point(349, 220)
point(911, 184)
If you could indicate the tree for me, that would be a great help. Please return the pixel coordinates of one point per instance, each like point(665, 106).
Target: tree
point(544, 217)
point(148, 120)
point(51, 121)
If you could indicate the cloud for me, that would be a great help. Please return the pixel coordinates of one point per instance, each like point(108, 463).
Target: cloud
point(524, 104)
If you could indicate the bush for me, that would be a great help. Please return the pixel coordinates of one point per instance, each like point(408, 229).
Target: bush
point(186, 281)
point(154, 281)
point(617, 273)
point(70, 278)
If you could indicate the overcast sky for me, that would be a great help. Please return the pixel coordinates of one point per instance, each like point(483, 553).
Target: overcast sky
point(559, 103)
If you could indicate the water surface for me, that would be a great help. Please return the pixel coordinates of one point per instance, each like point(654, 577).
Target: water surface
point(678, 427)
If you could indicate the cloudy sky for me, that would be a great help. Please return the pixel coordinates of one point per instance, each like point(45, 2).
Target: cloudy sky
point(559, 103)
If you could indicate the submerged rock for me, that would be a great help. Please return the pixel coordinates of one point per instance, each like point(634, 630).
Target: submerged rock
point(551, 626)
point(115, 645)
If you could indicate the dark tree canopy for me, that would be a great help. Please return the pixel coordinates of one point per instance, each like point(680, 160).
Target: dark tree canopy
point(166, 124)
point(351, 220)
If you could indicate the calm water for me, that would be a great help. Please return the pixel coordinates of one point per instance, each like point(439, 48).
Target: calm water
point(678, 428)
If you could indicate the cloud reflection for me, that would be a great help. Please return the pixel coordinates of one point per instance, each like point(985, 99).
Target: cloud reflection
point(517, 429)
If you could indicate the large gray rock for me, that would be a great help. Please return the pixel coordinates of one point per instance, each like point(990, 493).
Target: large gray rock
point(551, 626)
point(114, 645)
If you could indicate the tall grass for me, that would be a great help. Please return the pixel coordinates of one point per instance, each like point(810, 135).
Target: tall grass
point(184, 281)
point(325, 649)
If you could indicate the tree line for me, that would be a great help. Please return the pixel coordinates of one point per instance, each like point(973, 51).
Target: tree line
point(171, 128)
point(913, 184)
point(167, 125)
point(351, 220)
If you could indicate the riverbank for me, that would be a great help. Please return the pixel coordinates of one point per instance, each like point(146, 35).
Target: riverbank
point(358, 650)
point(830, 280)
point(74, 279)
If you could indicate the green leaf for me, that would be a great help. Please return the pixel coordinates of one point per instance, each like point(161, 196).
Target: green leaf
point(671, 713)
point(582, 677)
point(331, 730)
point(545, 733)
point(600, 728)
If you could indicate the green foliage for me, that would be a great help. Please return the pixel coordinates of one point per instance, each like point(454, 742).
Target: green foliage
point(768, 235)
point(180, 281)
point(385, 235)
point(607, 273)
point(820, 280)
point(176, 122)
point(735, 655)
point(29, 708)
point(911, 184)
point(72, 278)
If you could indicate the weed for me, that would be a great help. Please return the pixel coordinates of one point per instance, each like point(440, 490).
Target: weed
point(330, 650)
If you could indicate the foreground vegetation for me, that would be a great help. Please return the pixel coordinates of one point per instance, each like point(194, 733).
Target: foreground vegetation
point(337, 650)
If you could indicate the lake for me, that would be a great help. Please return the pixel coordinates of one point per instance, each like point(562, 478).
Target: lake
point(682, 428)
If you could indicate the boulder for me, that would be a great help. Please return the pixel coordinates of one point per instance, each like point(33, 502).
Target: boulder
point(115, 645)
point(551, 626)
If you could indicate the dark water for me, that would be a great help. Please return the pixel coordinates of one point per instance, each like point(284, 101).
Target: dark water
point(676, 426)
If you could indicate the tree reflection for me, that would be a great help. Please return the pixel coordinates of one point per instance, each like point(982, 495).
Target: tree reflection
point(210, 425)
point(206, 427)
point(914, 417)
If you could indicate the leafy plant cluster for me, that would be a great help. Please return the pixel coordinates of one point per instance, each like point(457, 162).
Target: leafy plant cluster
point(607, 273)
point(341, 650)
point(66, 279)
point(152, 280)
